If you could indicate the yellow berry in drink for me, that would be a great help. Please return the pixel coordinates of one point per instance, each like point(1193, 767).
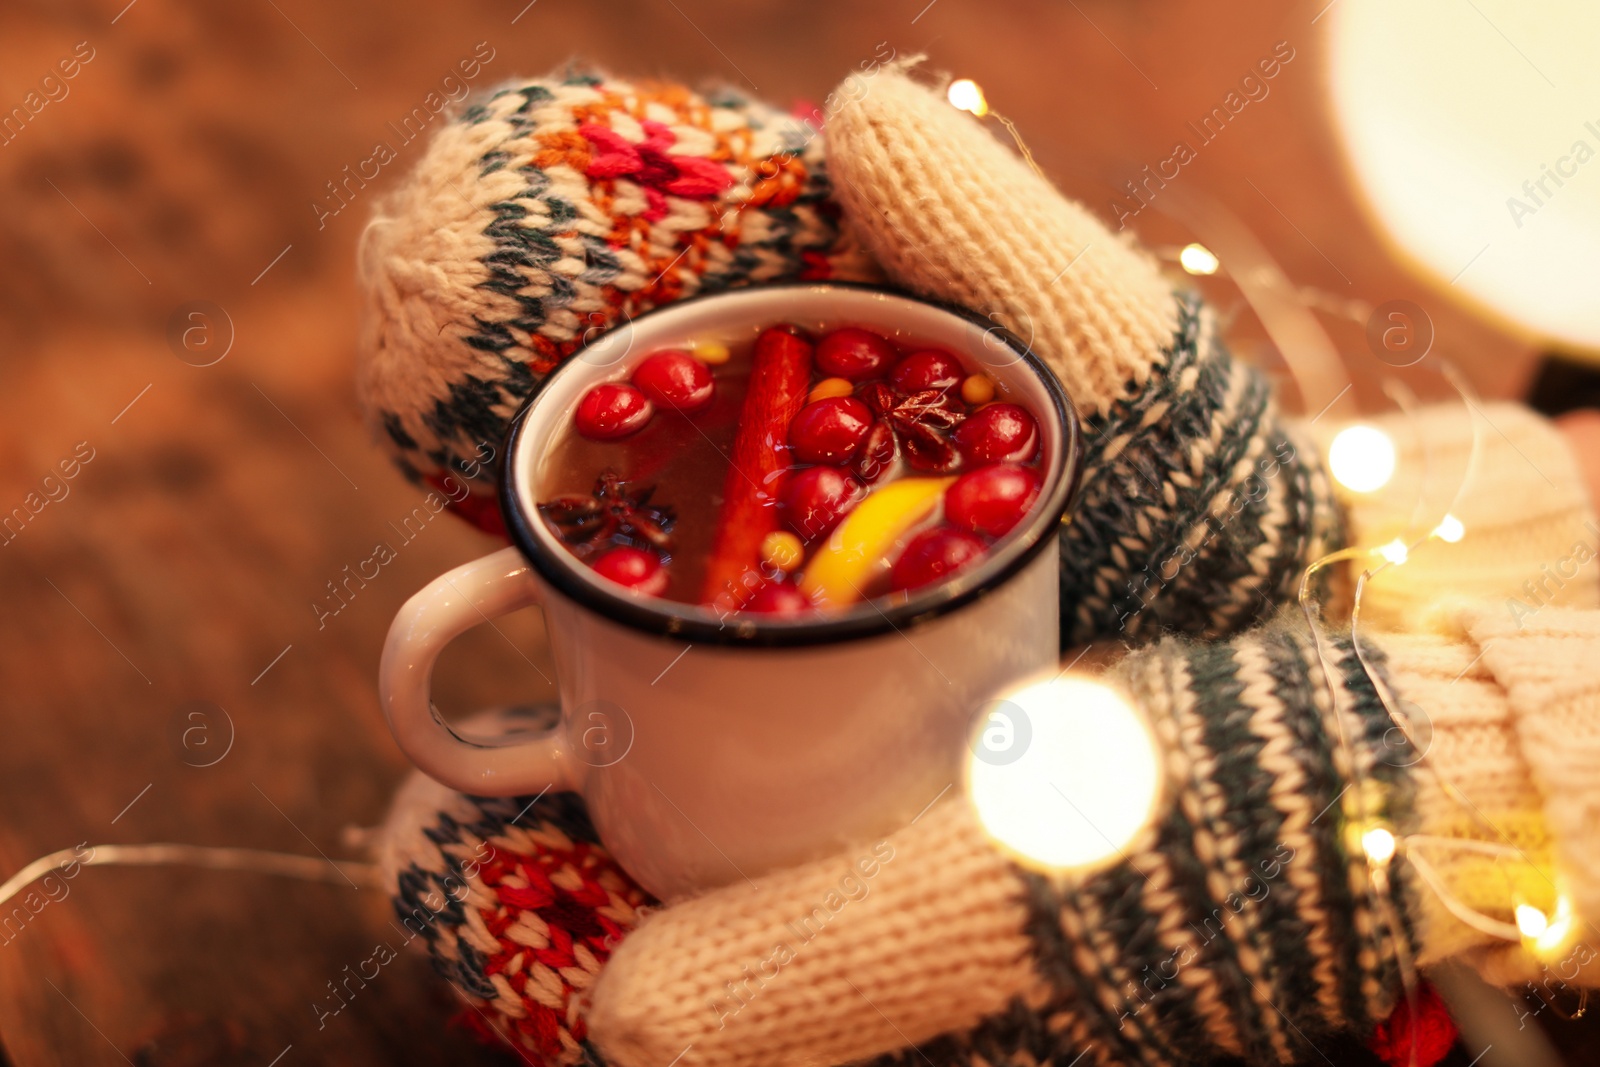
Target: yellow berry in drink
point(977, 389)
point(710, 352)
point(782, 551)
point(829, 388)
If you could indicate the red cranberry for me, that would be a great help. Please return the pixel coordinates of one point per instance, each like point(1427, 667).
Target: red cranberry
point(991, 500)
point(634, 569)
point(675, 379)
point(927, 369)
point(999, 433)
point(876, 454)
point(611, 410)
point(934, 553)
point(829, 431)
point(779, 598)
point(817, 498)
point(855, 354)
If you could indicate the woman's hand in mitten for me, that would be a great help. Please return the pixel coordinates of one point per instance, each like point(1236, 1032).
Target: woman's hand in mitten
point(550, 212)
point(1200, 506)
point(1244, 920)
point(558, 209)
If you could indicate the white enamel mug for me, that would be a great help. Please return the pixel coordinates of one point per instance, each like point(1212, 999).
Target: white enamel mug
point(707, 748)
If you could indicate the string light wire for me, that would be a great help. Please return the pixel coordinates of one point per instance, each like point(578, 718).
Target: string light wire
point(284, 864)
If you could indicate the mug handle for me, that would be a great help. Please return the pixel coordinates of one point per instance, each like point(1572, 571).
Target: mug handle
point(447, 607)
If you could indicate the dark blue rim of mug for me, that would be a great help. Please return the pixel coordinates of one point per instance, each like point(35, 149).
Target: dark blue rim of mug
point(653, 615)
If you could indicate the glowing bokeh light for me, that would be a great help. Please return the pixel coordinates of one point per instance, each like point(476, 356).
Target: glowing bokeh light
point(1362, 458)
point(1086, 784)
point(965, 95)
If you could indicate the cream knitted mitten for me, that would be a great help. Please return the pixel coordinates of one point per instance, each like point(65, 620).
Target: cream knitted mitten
point(1200, 507)
point(557, 209)
point(1241, 922)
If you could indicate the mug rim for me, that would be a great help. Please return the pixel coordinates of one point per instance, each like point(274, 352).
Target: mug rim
point(747, 629)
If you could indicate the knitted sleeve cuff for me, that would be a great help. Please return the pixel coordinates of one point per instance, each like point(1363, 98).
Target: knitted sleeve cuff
point(1511, 715)
point(1531, 536)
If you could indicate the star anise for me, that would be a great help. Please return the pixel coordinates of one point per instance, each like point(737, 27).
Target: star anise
point(615, 513)
point(921, 422)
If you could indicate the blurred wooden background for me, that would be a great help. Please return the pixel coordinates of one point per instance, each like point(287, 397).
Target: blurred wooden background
point(182, 166)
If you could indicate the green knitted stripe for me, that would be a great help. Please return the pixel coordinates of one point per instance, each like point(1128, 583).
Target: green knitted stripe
point(1126, 1036)
point(1128, 558)
point(1223, 569)
point(1398, 789)
point(1163, 1010)
point(1291, 672)
point(1218, 954)
point(1117, 493)
point(1179, 1012)
point(1233, 734)
point(1252, 825)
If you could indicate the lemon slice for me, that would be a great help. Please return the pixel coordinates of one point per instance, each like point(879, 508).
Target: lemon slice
point(846, 562)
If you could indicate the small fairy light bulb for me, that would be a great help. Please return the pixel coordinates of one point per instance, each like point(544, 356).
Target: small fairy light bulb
point(1450, 529)
point(1379, 845)
point(965, 95)
point(1557, 930)
point(1395, 552)
point(1531, 921)
point(1362, 458)
point(1064, 774)
point(1198, 259)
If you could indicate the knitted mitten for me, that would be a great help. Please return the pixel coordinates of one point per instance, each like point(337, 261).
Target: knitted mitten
point(557, 209)
point(515, 899)
point(1239, 922)
point(1199, 507)
point(554, 210)
point(1530, 536)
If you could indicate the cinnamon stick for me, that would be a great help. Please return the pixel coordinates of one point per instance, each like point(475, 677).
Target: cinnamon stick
point(780, 375)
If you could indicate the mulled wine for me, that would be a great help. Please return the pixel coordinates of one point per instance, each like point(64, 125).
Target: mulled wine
point(791, 474)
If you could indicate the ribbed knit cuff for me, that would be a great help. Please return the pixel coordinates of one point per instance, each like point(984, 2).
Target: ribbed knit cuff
point(1509, 711)
point(1200, 507)
point(1531, 534)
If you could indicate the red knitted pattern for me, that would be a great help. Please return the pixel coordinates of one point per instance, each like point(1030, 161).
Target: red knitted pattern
point(559, 913)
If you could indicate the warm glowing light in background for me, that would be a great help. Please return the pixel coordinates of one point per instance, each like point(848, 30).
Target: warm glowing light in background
point(1531, 921)
point(1450, 529)
point(1378, 844)
point(1361, 458)
point(1463, 124)
point(1085, 784)
point(1198, 259)
point(1395, 552)
point(965, 94)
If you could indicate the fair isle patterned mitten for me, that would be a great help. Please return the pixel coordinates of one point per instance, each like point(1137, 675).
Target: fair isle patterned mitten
point(553, 210)
point(1200, 505)
point(1241, 922)
point(514, 898)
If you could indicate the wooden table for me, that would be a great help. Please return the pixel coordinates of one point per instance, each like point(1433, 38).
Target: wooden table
point(182, 564)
